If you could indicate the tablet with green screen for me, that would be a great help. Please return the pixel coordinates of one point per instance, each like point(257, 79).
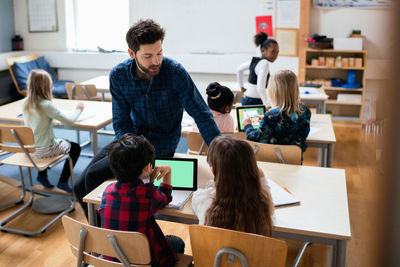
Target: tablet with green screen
point(253, 112)
point(183, 172)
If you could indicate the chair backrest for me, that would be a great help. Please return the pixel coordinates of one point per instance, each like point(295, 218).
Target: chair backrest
point(258, 250)
point(195, 143)
point(10, 63)
point(9, 135)
point(288, 154)
point(134, 245)
point(80, 91)
point(238, 94)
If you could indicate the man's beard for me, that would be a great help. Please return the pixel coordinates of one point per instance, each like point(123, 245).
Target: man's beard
point(148, 71)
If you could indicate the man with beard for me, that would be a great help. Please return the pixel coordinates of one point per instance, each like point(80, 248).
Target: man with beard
point(149, 93)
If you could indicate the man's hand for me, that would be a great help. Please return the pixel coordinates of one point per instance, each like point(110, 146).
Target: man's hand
point(161, 172)
point(243, 89)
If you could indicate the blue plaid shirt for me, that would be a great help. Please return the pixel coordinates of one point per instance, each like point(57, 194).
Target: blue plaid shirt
point(155, 109)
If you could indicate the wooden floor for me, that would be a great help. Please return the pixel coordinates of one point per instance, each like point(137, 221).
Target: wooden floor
point(355, 152)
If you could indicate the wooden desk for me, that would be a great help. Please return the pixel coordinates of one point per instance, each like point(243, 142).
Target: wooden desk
point(321, 136)
point(102, 84)
point(321, 217)
point(102, 110)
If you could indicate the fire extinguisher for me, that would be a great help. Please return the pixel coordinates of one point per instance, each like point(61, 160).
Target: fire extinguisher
point(17, 43)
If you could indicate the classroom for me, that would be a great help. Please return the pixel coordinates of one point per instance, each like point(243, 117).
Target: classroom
point(308, 88)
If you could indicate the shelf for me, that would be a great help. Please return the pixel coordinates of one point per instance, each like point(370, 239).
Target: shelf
point(334, 51)
point(333, 68)
point(335, 102)
point(331, 88)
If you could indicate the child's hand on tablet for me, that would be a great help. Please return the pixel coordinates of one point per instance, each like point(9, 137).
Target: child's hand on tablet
point(161, 172)
point(246, 121)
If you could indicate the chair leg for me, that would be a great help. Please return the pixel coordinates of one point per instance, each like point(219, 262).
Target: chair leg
point(300, 253)
point(15, 214)
point(21, 198)
point(30, 202)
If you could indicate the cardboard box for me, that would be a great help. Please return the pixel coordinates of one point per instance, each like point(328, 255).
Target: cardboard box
point(330, 62)
point(345, 62)
point(349, 98)
point(348, 43)
point(352, 62)
point(358, 62)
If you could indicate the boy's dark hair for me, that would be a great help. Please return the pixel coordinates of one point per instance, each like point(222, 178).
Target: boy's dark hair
point(144, 32)
point(261, 39)
point(219, 97)
point(129, 155)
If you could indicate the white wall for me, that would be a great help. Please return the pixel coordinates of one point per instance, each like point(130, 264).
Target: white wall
point(40, 40)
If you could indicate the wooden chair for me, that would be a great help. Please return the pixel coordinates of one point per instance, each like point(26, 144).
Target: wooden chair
point(287, 154)
point(197, 146)
point(10, 63)
point(213, 246)
point(131, 248)
point(82, 92)
point(238, 96)
point(19, 140)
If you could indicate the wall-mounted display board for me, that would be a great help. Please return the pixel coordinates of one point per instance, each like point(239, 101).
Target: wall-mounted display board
point(42, 16)
point(287, 40)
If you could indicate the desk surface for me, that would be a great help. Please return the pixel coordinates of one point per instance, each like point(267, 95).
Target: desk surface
point(323, 211)
point(102, 83)
point(102, 112)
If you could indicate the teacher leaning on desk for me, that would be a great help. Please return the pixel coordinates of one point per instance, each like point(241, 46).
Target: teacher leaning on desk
point(149, 93)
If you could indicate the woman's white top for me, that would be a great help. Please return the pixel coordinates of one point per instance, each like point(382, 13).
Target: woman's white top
point(258, 90)
point(203, 198)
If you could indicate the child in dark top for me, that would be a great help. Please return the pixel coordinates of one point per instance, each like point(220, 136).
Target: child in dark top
point(255, 91)
point(220, 101)
point(288, 121)
point(130, 205)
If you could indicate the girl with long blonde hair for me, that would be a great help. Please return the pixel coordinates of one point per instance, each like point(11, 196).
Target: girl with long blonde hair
point(238, 199)
point(288, 121)
point(39, 112)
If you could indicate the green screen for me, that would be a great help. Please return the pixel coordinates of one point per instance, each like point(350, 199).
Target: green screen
point(253, 113)
point(181, 172)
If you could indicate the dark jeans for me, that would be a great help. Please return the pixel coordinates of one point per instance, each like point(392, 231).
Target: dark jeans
point(246, 101)
point(74, 154)
point(97, 172)
point(177, 243)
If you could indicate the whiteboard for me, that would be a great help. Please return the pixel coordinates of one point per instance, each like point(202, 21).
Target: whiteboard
point(206, 26)
point(42, 16)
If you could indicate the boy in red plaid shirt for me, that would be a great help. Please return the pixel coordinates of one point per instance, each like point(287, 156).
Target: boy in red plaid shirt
point(130, 205)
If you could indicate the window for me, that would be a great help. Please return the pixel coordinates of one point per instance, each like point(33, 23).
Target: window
point(97, 23)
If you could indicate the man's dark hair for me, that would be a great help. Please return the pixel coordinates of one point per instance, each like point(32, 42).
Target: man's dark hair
point(144, 32)
point(129, 155)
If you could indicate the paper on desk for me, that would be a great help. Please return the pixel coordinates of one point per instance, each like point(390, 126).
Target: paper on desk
point(84, 115)
point(280, 196)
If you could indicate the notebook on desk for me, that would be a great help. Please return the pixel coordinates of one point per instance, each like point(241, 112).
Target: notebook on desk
point(184, 179)
point(280, 196)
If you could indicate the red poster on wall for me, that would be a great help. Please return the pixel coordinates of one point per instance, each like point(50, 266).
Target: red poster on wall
point(264, 24)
